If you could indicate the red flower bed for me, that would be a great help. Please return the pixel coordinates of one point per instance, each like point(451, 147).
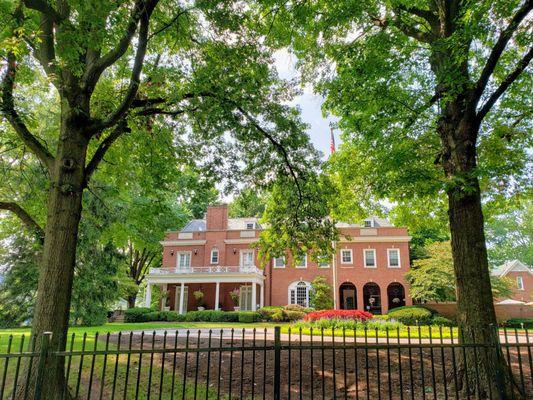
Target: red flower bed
point(338, 314)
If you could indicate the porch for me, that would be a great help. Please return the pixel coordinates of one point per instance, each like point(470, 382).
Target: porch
point(215, 282)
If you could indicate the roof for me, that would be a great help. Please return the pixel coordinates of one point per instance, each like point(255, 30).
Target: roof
point(237, 224)
point(511, 266)
point(377, 223)
point(511, 301)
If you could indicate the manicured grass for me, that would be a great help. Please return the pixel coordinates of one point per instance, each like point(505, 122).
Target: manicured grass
point(126, 327)
point(403, 333)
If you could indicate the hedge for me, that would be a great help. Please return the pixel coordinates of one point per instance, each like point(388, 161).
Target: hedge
point(411, 315)
point(517, 323)
point(137, 314)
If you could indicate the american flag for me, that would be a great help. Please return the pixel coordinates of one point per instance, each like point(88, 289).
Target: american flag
point(332, 142)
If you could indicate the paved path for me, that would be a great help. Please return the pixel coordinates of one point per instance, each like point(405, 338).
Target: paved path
point(295, 337)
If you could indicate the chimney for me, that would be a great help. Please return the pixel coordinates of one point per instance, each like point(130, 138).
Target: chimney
point(217, 218)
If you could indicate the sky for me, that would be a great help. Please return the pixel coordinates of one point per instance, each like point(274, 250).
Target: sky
point(309, 104)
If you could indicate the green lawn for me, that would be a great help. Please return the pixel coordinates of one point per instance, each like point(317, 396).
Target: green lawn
point(402, 333)
point(126, 327)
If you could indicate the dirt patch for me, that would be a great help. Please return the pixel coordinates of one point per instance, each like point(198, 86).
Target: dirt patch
point(235, 369)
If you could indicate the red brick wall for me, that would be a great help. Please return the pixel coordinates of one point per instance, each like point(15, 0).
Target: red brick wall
point(522, 295)
point(278, 280)
point(503, 311)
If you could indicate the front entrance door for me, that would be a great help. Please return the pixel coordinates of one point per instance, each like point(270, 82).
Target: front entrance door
point(177, 299)
point(245, 301)
point(348, 296)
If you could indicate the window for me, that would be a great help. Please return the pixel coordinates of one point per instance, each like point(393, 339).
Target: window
point(323, 264)
point(346, 256)
point(250, 225)
point(520, 283)
point(370, 258)
point(279, 262)
point(214, 256)
point(247, 258)
point(184, 260)
point(301, 262)
point(369, 223)
point(393, 256)
point(299, 293)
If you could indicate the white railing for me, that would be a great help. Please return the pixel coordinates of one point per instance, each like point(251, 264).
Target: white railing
point(214, 269)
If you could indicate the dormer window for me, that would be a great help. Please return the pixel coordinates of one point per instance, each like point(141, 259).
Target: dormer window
point(369, 223)
point(250, 225)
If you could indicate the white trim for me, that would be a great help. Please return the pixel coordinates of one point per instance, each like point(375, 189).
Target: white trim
point(374, 239)
point(375, 260)
point(204, 278)
point(241, 252)
point(304, 265)
point(399, 259)
point(351, 256)
point(178, 259)
point(293, 288)
point(279, 266)
point(240, 241)
point(182, 243)
point(215, 250)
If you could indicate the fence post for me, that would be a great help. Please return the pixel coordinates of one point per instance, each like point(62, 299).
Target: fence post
point(499, 353)
point(277, 362)
point(43, 355)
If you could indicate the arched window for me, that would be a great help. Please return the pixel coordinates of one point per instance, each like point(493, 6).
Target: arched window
point(299, 293)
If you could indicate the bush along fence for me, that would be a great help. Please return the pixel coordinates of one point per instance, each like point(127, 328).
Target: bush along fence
point(263, 364)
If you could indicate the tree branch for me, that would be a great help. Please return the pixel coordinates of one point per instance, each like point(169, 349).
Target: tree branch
point(509, 79)
point(23, 215)
point(500, 45)
point(44, 8)
point(407, 29)
point(98, 156)
point(7, 107)
point(427, 15)
point(145, 12)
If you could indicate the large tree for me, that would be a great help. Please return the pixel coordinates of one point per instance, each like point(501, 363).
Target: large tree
point(433, 99)
point(206, 79)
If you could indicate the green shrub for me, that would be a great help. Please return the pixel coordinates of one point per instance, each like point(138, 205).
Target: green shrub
point(151, 316)
point(171, 316)
point(294, 315)
point(230, 316)
point(267, 312)
point(249, 316)
point(278, 316)
point(136, 314)
point(517, 323)
point(439, 320)
point(411, 315)
point(296, 307)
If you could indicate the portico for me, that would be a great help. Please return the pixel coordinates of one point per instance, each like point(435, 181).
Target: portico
point(214, 282)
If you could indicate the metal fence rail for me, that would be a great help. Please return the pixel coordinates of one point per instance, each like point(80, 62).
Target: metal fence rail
point(263, 364)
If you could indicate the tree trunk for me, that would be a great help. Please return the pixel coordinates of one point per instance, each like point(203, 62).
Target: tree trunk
point(57, 266)
point(476, 315)
point(131, 300)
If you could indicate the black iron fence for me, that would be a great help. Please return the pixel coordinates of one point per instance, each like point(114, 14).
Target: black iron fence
point(420, 363)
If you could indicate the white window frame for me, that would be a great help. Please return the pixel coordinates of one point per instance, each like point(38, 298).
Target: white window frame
point(350, 251)
point(375, 259)
point(250, 223)
point(213, 252)
point(302, 266)
point(241, 258)
point(276, 259)
point(180, 253)
point(520, 283)
point(399, 259)
point(322, 265)
point(370, 223)
point(293, 292)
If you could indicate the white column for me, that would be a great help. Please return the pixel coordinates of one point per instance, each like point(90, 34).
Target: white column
point(148, 295)
point(262, 295)
point(182, 295)
point(164, 290)
point(217, 295)
point(254, 296)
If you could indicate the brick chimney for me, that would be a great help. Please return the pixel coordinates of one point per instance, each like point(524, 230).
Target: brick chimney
point(217, 218)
